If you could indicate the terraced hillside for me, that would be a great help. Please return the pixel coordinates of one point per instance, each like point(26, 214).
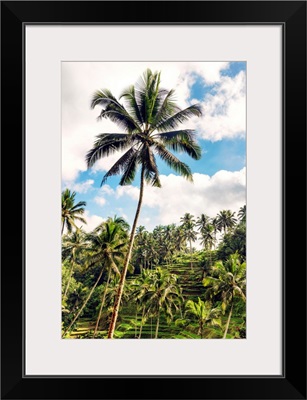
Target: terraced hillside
point(190, 280)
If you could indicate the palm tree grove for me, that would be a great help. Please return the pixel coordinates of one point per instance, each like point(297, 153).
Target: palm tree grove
point(129, 277)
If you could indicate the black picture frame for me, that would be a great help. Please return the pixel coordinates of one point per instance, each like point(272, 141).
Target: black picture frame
point(292, 16)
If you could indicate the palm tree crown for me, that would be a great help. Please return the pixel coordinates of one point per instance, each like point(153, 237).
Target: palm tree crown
point(71, 212)
point(204, 313)
point(226, 220)
point(149, 121)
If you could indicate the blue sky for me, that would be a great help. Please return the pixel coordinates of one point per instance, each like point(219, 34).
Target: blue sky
point(219, 177)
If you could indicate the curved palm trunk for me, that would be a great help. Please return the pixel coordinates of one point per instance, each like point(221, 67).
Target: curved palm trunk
point(63, 225)
point(69, 279)
point(102, 303)
point(84, 304)
point(157, 326)
point(228, 321)
point(127, 259)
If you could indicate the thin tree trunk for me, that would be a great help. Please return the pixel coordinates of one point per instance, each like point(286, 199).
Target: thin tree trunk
point(102, 303)
point(69, 279)
point(228, 321)
point(63, 225)
point(157, 326)
point(191, 263)
point(128, 256)
point(141, 327)
point(84, 304)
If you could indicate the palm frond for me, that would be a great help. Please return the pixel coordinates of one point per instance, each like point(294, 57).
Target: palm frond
point(120, 118)
point(121, 165)
point(150, 167)
point(167, 109)
point(130, 170)
point(80, 204)
point(148, 95)
point(180, 117)
point(106, 144)
point(134, 108)
point(182, 141)
point(114, 267)
point(104, 97)
point(173, 162)
point(81, 219)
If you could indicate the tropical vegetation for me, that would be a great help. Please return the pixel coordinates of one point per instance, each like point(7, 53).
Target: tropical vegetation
point(162, 297)
point(183, 280)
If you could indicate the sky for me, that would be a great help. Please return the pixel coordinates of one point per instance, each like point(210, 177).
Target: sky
point(219, 177)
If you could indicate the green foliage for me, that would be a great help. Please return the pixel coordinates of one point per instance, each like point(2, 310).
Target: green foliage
point(168, 291)
point(226, 281)
point(233, 242)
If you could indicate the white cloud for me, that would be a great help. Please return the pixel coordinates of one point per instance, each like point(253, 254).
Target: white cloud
point(224, 113)
point(92, 221)
point(81, 187)
point(101, 201)
point(121, 213)
point(129, 190)
point(107, 190)
point(210, 71)
point(209, 195)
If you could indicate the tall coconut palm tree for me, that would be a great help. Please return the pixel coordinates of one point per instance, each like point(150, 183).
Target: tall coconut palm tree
point(73, 245)
point(149, 118)
point(71, 212)
point(188, 225)
point(207, 237)
point(152, 251)
point(108, 247)
point(226, 220)
point(204, 313)
point(140, 248)
point(180, 241)
point(216, 227)
point(229, 281)
point(106, 250)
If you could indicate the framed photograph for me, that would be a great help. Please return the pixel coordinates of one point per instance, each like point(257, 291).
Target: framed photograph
point(161, 152)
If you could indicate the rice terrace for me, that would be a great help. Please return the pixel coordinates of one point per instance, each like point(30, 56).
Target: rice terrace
point(153, 200)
